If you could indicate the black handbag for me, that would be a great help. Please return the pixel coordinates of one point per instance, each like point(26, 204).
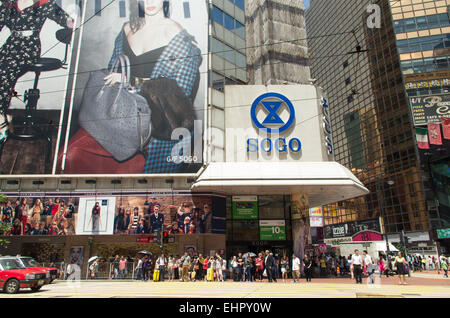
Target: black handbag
point(116, 117)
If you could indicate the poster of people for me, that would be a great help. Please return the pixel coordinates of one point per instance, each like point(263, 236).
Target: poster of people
point(39, 215)
point(181, 214)
point(35, 53)
point(96, 215)
point(139, 89)
point(106, 215)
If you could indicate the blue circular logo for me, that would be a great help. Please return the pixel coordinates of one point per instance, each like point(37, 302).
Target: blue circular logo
point(272, 103)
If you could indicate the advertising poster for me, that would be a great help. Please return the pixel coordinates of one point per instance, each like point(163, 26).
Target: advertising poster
point(443, 233)
point(351, 228)
point(245, 207)
point(181, 214)
point(76, 255)
point(272, 230)
point(316, 217)
point(84, 214)
point(301, 235)
point(96, 215)
point(429, 108)
point(34, 71)
point(139, 89)
point(36, 215)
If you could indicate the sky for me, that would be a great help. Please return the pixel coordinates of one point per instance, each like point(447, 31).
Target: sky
point(306, 2)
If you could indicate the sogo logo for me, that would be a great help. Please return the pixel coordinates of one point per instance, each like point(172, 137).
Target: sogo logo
point(273, 103)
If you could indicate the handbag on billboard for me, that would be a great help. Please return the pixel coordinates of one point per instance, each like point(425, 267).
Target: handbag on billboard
point(117, 118)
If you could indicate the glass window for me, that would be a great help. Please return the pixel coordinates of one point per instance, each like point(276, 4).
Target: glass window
point(240, 4)
point(187, 10)
point(245, 230)
point(229, 54)
point(217, 81)
point(240, 30)
point(217, 47)
point(271, 207)
point(229, 22)
point(218, 15)
point(240, 60)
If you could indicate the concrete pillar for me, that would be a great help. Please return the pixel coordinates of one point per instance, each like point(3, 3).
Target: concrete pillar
point(301, 234)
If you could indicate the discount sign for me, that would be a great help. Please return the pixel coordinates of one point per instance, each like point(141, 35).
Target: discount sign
point(272, 230)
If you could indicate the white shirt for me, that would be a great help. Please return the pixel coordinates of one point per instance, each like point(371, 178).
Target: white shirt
point(161, 261)
point(224, 264)
point(234, 263)
point(296, 264)
point(368, 260)
point(356, 259)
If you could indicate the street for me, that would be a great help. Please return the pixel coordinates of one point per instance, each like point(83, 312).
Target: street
point(419, 287)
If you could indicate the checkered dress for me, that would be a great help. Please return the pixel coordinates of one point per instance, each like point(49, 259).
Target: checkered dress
point(180, 61)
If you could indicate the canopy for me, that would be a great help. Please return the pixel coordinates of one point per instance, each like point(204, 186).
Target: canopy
point(323, 182)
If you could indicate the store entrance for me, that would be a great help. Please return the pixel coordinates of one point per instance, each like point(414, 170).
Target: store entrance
point(277, 248)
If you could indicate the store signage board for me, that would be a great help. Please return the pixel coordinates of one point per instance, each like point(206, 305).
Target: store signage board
point(273, 230)
point(429, 108)
point(443, 233)
point(245, 207)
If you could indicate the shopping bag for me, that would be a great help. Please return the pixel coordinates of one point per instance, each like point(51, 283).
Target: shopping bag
point(210, 274)
point(265, 273)
point(156, 275)
point(193, 275)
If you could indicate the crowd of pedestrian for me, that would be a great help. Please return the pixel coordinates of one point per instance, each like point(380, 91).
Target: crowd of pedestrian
point(264, 266)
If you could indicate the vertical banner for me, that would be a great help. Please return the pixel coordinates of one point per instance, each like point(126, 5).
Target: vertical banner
point(301, 234)
point(140, 89)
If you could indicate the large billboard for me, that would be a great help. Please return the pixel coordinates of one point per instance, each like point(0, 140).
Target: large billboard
point(429, 108)
point(131, 98)
point(103, 213)
point(35, 53)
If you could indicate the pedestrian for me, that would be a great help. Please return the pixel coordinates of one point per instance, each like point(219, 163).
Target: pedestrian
point(205, 265)
point(269, 263)
point(368, 263)
point(171, 267)
point(240, 267)
point(224, 269)
point(307, 268)
point(186, 261)
point(62, 270)
point(295, 268)
point(146, 268)
point(139, 269)
point(444, 267)
point(381, 265)
point(259, 264)
point(357, 262)
point(284, 263)
point(115, 264)
point(234, 266)
point(192, 268)
point(400, 263)
point(179, 271)
point(93, 269)
point(161, 264)
point(201, 273)
point(219, 274)
point(123, 267)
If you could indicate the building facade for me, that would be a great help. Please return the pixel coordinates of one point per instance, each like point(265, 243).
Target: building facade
point(381, 53)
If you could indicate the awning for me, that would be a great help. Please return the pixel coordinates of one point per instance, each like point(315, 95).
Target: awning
point(323, 182)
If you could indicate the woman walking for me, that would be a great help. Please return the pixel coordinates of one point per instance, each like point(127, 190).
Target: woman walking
point(284, 267)
point(400, 263)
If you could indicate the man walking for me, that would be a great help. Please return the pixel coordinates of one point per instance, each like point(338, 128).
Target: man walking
point(186, 259)
point(369, 266)
point(269, 263)
point(115, 264)
point(123, 267)
point(295, 268)
point(356, 264)
point(161, 263)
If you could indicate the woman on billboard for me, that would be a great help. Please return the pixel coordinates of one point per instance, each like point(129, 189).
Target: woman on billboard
point(164, 66)
point(25, 19)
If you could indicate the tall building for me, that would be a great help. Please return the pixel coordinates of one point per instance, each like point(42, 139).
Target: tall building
point(370, 72)
point(277, 51)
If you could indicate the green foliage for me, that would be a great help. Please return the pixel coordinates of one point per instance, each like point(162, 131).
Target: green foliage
point(5, 228)
point(4, 243)
point(3, 198)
